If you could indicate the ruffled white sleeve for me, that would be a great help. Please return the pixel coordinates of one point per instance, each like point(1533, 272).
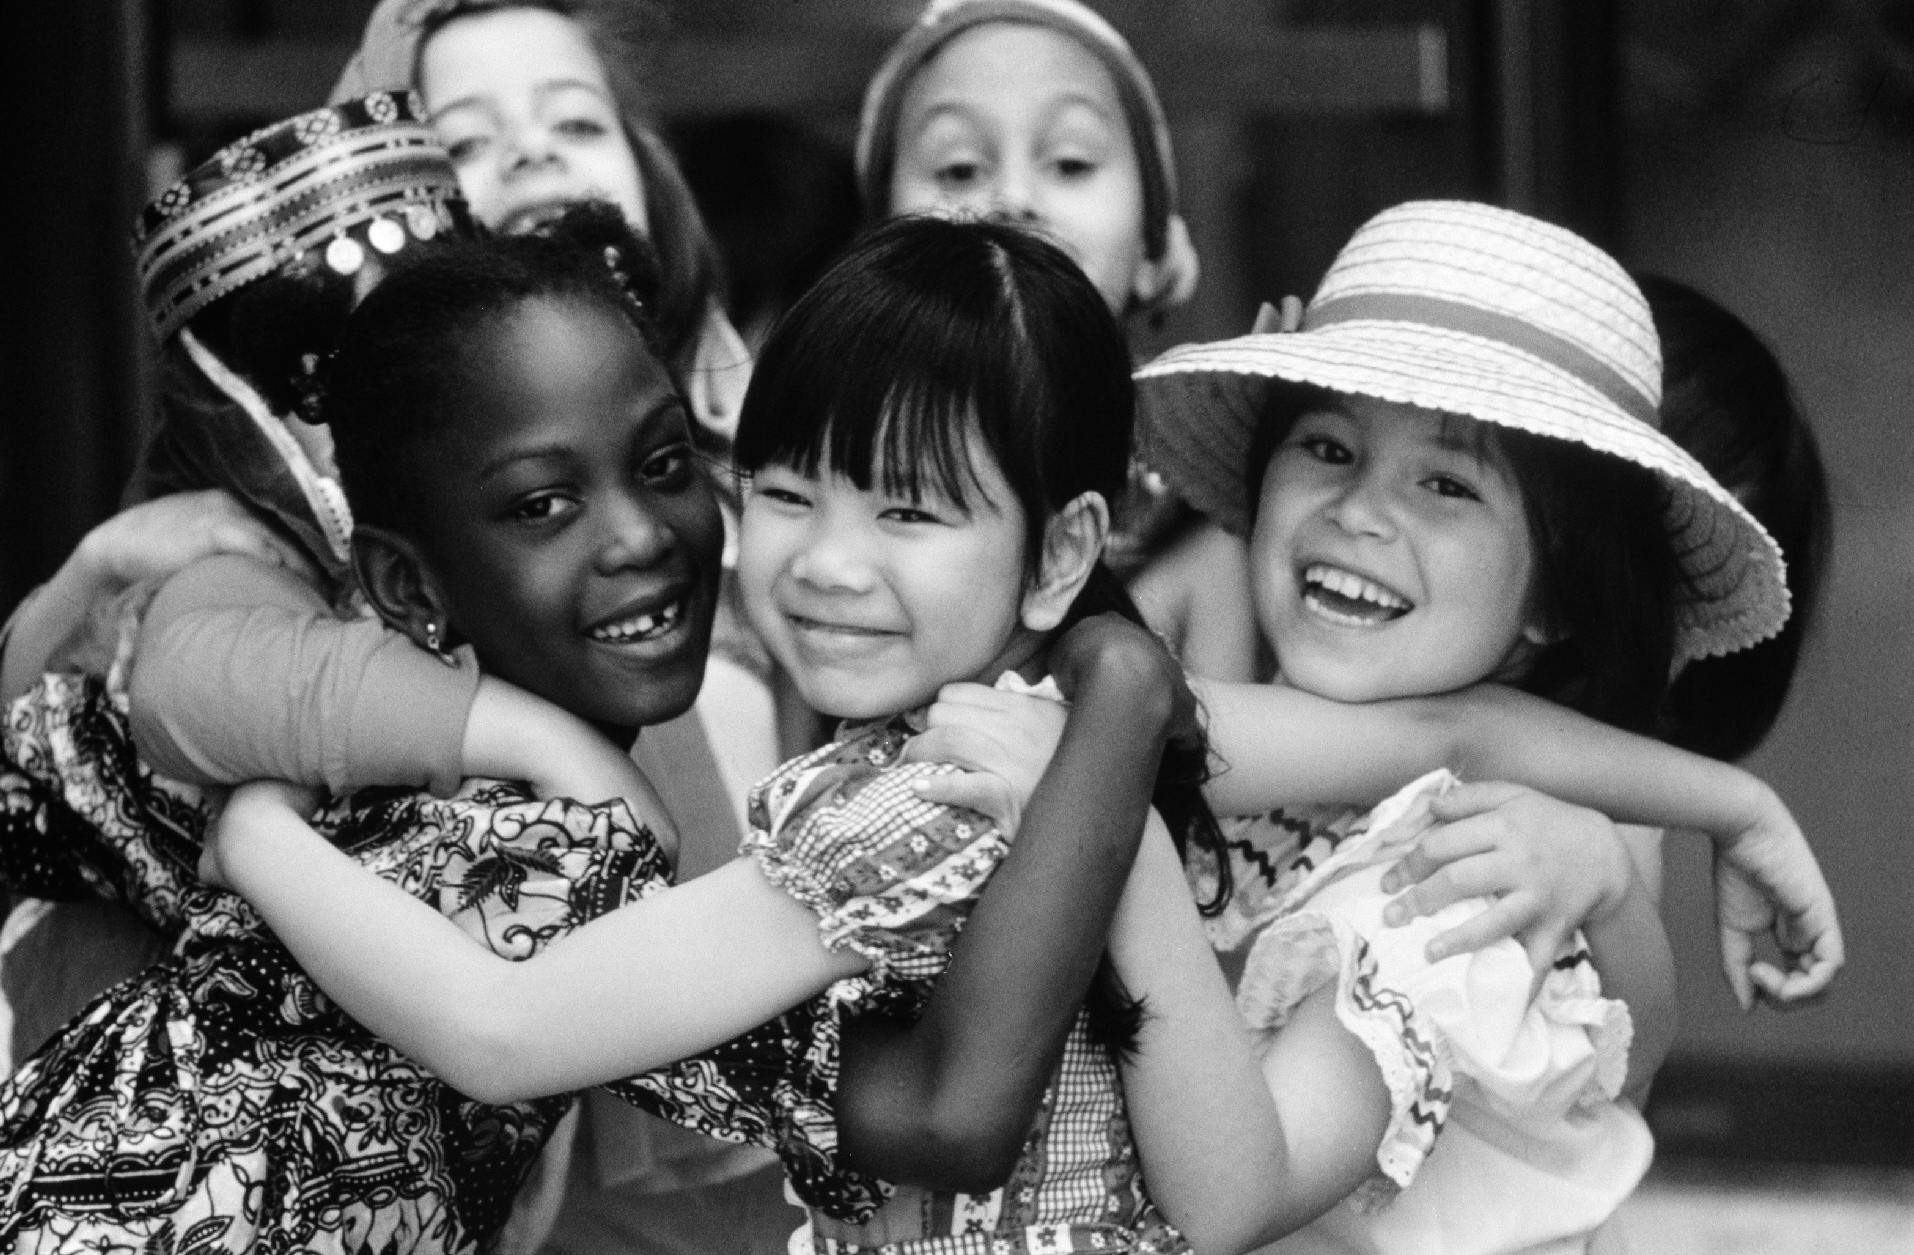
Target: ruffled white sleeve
point(1462, 1027)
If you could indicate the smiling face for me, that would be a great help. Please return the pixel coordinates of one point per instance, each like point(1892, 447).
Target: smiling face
point(571, 535)
point(872, 601)
point(523, 105)
point(1022, 121)
point(1392, 554)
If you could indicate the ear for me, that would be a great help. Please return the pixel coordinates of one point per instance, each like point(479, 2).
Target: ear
point(1072, 543)
point(397, 583)
point(1168, 281)
point(1541, 635)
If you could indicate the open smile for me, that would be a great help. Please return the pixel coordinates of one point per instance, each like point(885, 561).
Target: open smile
point(641, 627)
point(1350, 600)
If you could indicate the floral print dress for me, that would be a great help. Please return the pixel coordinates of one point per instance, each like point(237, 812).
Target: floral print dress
point(218, 1102)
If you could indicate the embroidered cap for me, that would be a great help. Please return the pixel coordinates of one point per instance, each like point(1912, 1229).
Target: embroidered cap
point(366, 174)
point(1473, 310)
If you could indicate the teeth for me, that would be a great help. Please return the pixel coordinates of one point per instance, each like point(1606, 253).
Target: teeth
point(640, 627)
point(1347, 584)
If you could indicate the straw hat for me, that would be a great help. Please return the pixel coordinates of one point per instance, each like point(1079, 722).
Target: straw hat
point(1478, 311)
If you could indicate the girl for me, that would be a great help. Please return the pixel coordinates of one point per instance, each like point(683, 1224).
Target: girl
point(1452, 474)
point(564, 530)
point(1038, 112)
point(903, 412)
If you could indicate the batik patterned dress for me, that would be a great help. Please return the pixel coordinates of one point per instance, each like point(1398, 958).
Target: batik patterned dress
point(894, 878)
point(1506, 1133)
point(218, 1102)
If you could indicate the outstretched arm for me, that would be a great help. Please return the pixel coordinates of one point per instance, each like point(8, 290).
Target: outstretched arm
point(1282, 746)
point(635, 989)
point(948, 1101)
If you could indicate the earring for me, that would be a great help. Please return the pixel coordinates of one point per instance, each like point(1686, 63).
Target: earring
point(436, 643)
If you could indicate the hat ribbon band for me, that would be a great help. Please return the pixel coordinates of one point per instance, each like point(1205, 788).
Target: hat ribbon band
point(1435, 311)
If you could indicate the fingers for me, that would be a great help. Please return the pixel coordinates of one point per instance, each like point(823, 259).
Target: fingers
point(974, 790)
point(1737, 956)
point(1505, 918)
point(1468, 800)
point(1438, 848)
point(952, 743)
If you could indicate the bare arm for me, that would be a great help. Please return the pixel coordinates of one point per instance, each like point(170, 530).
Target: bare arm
point(948, 1100)
point(1196, 594)
point(1238, 1151)
point(643, 986)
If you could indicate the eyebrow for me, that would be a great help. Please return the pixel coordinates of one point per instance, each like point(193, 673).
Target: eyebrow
point(479, 100)
point(553, 451)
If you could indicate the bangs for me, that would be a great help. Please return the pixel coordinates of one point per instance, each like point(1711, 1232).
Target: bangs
point(895, 389)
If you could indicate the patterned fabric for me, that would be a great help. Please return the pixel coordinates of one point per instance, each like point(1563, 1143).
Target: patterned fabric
point(1486, 1083)
point(893, 877)
point(219, 1102)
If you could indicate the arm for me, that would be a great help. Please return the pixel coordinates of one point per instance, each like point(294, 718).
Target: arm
point(241, 672)
point(640, 987)
point(148, 541)
point(1285, 746)
point(1237, 1151)
point(1196, 595)
point(947, 1101)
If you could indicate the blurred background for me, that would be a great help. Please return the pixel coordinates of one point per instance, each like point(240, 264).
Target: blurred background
point(1760, 150)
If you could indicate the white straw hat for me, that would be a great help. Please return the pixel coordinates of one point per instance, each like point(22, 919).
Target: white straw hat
point(1478, 311)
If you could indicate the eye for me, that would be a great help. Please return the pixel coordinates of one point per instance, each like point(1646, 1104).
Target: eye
point(466, 149)
point(670, 467)
point(582, 128)
point(543, 508)
point(909, 514)
point(1325, 449)
point(782, 496)
point(954, 176)
point(1450, 486)
point(1074, 167)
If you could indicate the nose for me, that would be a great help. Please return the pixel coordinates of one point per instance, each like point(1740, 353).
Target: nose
point(634, 537)
point(1014, 194)
point(529, 144)
point(831, 560)
point(1362, 508)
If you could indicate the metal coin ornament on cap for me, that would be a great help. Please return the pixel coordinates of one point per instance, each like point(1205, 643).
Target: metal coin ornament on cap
point(345, 255)
point(298, 185)
point(386, 235)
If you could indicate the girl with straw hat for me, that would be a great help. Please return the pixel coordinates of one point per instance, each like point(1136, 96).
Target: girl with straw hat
point(1451, 487)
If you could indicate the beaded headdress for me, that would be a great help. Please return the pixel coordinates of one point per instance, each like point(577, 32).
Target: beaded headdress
point(370, 167)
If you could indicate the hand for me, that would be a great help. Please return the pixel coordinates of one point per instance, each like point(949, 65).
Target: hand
point(1003, 740)
point(243, 810)
point(1551, 868)
point(1107, 652)
point(1768, 882)
point(158, 537)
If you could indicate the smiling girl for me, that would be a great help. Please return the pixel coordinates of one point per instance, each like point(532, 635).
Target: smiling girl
point(521, 464)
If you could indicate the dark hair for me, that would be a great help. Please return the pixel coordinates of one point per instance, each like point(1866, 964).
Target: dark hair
point(1726, 400)
point(1608, 575)
point(384, 392)
point(689, 269)
point(274, 330)
point(927, 332)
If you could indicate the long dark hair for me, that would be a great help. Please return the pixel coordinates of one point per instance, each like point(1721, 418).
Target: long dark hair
point(1726, 400)
point(1608, 578)
point(927, 333)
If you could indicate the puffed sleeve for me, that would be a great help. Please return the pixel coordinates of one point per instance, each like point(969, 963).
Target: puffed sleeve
point(888, 874)
point(1465, 1023)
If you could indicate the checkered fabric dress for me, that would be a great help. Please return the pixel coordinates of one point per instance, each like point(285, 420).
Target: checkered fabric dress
point(894, 878)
